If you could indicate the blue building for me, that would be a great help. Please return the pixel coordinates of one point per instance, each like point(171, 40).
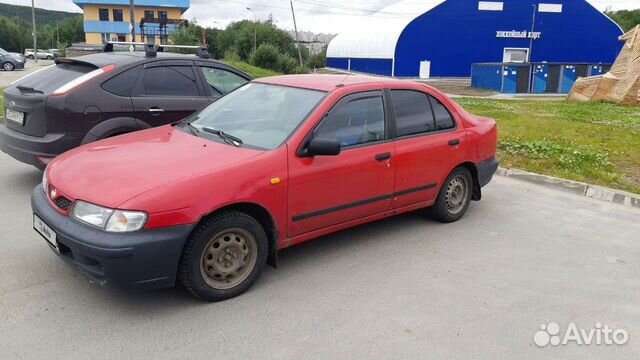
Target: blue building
point(443, 38)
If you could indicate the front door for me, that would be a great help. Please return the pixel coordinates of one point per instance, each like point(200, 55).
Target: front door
point(167, 92)
point(330, 190)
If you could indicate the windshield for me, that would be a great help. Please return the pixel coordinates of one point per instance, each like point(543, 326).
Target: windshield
point(3, 52)
point(259, 115)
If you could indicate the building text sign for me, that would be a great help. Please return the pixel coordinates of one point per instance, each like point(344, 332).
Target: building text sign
point(515, 34)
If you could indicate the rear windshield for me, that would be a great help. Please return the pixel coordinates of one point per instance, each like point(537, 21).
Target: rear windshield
point(51, 78)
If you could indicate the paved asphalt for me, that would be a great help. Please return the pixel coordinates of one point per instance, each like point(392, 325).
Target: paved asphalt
point(403, 288)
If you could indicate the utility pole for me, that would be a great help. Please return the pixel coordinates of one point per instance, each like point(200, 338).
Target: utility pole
point(295, 28)
point(255, 30)
point(132, 20)
point(533, 27)
point(57, 36)
point(33, 22)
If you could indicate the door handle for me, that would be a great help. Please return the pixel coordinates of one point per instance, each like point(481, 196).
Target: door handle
point(156, 111)
point(454, 142)
point(383, 156)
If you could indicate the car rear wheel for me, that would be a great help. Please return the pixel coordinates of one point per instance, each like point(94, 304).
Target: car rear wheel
point(8, 66)
point(30, 57)
point(49, 57)
point(454, 196)
point(224, 256)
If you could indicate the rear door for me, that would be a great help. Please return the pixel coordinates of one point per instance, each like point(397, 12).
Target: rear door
point(167, 91)
point(428, 143)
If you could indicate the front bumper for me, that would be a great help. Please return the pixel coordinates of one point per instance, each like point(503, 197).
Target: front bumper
point(18, 65)
point(486, 169)
point(27, 148)
point(142, 260)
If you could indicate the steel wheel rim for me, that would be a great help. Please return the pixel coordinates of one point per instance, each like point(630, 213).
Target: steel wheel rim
point(228, 258)
point(456, 195)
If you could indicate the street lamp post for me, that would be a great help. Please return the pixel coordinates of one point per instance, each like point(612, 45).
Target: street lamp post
point(132, 20)
point(255, 29)
point(35, 37)
point(533, 27)
point(295, 28)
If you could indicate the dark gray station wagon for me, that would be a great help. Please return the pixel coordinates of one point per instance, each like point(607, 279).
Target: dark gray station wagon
point(84, 99)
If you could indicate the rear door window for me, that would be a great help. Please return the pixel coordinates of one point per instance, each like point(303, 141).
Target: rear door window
point(413, 112)
point(170, 81)
point(444, 120)
point(221, 81)
point(123, 83)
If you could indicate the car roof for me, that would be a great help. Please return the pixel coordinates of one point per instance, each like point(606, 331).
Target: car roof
point(323, 82)
point(126, 57)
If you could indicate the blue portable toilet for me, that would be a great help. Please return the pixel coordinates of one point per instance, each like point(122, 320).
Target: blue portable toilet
point(515, 78)
point(571, 73)
point(540, 76)
point(486, 76)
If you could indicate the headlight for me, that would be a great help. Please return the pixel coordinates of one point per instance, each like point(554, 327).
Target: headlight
point(91, 214)
point(45, 182)
point(108, 219)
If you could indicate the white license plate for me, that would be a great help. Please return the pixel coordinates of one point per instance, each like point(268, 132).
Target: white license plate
point(15, 116)
point(44, 230)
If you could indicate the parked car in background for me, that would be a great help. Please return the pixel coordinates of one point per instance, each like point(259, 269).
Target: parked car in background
point(42, 54)
point(11, 61)
point(84, 99)
point(55, 52)
point(282, 160)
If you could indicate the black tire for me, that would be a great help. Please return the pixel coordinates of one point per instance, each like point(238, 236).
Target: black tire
point(450, 207)
point(8, 66)
point(30, 57)
point(198, 255)
point(49, 57)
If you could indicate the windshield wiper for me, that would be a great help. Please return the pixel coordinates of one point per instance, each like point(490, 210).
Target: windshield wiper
point(28, 89)
point(230, 139)
point(194, 130)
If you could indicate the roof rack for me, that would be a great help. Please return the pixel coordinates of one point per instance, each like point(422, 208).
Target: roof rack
point(151, 50)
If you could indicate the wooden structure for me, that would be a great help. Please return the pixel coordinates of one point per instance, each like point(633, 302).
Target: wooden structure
point(621, 84)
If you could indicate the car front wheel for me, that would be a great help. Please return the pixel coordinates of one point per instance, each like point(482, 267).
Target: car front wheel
point(454, 196)
point(224, 256)
point(8, 66)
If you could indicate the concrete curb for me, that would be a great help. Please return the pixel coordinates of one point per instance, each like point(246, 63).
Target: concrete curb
point(574, 187)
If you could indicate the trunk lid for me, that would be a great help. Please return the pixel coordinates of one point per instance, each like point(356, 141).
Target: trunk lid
point(29, 95)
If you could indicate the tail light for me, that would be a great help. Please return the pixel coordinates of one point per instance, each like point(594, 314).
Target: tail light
point(68, 87)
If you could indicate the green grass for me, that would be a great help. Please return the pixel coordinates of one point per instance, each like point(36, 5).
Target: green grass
point(254, 71)
point(598, 143)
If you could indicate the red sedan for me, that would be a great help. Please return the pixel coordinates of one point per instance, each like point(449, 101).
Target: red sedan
point(282, 160)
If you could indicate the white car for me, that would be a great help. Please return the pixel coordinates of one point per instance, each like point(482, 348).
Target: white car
point(42, 54)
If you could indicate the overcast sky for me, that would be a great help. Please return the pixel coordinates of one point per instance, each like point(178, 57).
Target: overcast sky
point(329, 16)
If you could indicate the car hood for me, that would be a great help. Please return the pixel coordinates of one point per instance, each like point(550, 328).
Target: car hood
point(111, 171)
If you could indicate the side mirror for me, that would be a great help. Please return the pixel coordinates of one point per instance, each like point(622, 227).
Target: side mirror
point(323, 147)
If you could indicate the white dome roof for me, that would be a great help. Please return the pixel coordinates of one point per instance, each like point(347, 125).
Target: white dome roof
point(378, 37)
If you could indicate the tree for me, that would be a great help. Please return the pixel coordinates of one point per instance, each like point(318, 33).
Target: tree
point(627, 19)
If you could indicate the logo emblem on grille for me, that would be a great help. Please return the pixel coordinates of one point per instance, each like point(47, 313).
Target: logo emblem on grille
point(12, 104)
point(53, 193)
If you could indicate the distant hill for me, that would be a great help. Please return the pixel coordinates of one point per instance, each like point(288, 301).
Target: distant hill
point(43, 16)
